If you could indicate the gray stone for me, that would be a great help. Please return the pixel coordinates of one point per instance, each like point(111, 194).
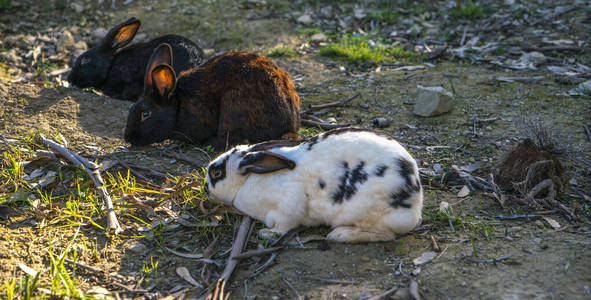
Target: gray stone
point(534, 57)
point(433, 101)
point(138, 248)
point(305, 19)
point(585, 87)
point(65, 42)
point(318, 38)
point(77, 7)
point(99, 33)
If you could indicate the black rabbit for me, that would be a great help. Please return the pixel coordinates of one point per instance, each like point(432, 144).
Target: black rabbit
point(118, 71)
point(232, 98)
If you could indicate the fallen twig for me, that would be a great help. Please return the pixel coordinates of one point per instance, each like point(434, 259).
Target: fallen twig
point(328, 280)
point(264, 266)
point(520, 79)
point(331, 104)
point(257, 252)
point(434, 244)
point(587, 131)
point(289, 284)
point(79, 161)
point(134, 172)
point(481, 121)
point(83, 266)
point(516, 217)
point(239, 242)
point(384, 294)
point(185, 158)
point(323, 126)
point(493, 260)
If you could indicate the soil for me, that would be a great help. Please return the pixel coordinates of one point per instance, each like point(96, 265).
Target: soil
point(480, 257)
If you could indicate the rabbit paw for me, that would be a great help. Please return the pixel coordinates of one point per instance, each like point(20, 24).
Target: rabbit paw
point(269, 234)
point(352, 234)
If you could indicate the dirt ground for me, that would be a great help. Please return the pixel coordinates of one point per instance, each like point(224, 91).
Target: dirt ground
point(480, 256)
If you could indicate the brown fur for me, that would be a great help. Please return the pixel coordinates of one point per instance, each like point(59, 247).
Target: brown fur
point(514, 167)
point(232, 98)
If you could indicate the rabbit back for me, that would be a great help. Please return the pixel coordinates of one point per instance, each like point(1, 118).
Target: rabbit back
point(126, 77)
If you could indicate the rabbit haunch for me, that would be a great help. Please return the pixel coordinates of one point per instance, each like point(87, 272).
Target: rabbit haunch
point(363, 184)
point(230, 99)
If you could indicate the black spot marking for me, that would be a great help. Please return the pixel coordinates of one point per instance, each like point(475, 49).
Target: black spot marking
point(348, 182)
point(380, 170)
point(311, 142)
point(410, 186)
point(215, 168)
point(234, 151)
point(321, 183)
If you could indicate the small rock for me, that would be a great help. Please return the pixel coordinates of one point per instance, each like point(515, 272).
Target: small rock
point(208, 52)
point(433, 101)
point(585, 87)
point(330, 120)
point(99, 33)
point(81, 45)
point(140, 37)
point(318, 38)
point(138, 248)
point(539, 224)
point(65, 42)
point(364, 258)
point(534, 57)
point(381, 122)
point(305, 19)
point(77, 7)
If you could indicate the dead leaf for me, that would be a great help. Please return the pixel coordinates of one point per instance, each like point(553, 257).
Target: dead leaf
point(413, 289)
point(443, 206)
point(465, 191)
point(184, 273)
point(30, 271)
point(36, 173)
point(424, 258)
point(552, 222)
point(185, 255)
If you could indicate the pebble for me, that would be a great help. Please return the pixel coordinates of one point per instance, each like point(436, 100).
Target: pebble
point(138, 248)
point(65, 42)
point(99, 33)
point(433, 101)
point(77, 7)
point(318, 38)
point(364, 258)
point(305, 19)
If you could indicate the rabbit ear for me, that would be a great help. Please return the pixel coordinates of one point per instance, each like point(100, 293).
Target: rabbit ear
point(264, 162)
point(121, 34)
point(164, 80)
point(162, 55)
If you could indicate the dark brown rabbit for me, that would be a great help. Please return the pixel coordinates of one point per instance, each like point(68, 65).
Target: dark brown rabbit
point(118, 71)
point(232, 98)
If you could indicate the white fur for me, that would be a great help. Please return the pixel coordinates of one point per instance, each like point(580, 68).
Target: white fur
point(286, 198)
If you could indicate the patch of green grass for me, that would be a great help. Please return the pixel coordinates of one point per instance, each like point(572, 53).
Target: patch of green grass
point(356, 51)
point(387, 16)
point(282, 52)
point(309, 31)
point(470, 11)
point(5, 4)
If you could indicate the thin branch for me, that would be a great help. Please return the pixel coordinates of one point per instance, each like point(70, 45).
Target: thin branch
point(384, 294)
point(83, 266)
point(330, 105)
point(587, 131)
point(185, 158)
point(324, 126)
point(79, 161)
point(257, 253)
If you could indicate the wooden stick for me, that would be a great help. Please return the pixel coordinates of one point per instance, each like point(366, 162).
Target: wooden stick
point(239, 242)
point(257, 252)
point(587, 131)
point(83, 266)
point(324, 126)
point(185, 158)
point(384, 294)
point(331, 104)
point(81, 162)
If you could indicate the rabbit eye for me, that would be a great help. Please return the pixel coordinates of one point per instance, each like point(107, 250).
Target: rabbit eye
point(84, 60)
point(146, 114)
point(216, 173)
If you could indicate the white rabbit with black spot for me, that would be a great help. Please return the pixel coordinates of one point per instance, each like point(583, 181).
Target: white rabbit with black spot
point(363, 184)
